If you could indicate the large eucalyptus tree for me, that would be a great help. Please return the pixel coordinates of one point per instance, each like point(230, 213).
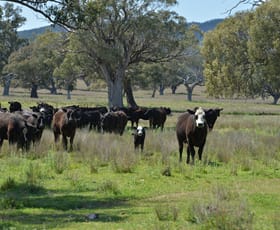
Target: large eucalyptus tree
point(125, 33)
point(10, 21)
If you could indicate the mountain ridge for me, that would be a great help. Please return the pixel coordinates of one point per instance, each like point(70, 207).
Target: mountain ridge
point(32, 33)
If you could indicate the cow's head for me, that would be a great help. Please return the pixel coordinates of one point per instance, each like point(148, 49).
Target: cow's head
point(14, 106)
point(211, 117)
point(199, 116)
point(139, 131)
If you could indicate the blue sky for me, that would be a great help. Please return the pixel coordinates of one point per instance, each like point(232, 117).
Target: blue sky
point(192, 10)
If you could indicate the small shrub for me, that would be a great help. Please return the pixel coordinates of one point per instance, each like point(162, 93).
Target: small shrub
point(166, 171)
point(8, 184)
point(93, 168)
point(10, 203)
point(167, 213)
point(124, 161)
point(109, 186)
point(60, 162)
point(32, 179)
point(32, 174)
point(225, 211)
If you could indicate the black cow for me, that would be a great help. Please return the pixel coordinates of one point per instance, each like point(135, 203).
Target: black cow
point(14, 106)
point(192, 128)
point(114, 122)
point(139, 137)
point(36, 119)
point(65, 123)
point(157, 117)
point(15, 129)
point(46, 110)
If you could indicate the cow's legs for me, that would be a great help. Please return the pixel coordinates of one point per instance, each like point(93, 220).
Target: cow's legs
point(190, 151)
point(200, 150)
point(71, 142)
point(142, 147)
point(56, 137)
point(181, 146)
point(64, 142)
point(1, 142)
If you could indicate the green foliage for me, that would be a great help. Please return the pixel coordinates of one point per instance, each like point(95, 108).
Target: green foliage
point(60, 161)
point(241, 54)
point(8, 184)
point(226, 211)
point(35, 63)
point(264, 48)
point(10, 203)
point(109, 186)
point(10, 21)
point(167, 212)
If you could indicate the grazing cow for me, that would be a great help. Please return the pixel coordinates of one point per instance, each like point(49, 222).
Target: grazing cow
point(157, 117)
point(36, 119)
point(15, 129)
point(47, 111)
point(114, 122)
point(139, 137)
point(65, 123)
point(136, 115)
point(14, 106)
point(133, 113)
point(192, 128)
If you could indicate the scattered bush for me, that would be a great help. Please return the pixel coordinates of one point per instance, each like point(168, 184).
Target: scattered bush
point(226, 210)
point(10, 203)
point(60, 162)
point(8, 184)
point(109, 187)
point(167, 212)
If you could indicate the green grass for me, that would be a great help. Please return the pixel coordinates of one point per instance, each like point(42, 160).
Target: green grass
point(236, 186)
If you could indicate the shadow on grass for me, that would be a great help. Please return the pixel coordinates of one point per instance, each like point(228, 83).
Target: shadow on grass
point(58, 208)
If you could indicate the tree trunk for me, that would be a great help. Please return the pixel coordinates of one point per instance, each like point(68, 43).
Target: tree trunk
point(173, 89)
point(275, 98)
point(7, 83)
point(115, 87)
point(53, 87)
point(161, 89)
point(34, 93)
point(69, 89)
point(129, 94)
point(154, 92)
point(6, 89)
point(189, 93)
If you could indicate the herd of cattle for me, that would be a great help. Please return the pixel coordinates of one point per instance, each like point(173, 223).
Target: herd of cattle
point(25, 126)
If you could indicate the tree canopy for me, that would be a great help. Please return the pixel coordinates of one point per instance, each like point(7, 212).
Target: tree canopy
point(241, 54)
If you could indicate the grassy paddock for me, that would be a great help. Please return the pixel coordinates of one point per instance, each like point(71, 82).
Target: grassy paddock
point(105, 184)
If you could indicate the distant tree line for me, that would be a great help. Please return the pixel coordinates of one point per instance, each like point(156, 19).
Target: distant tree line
point(124, 43)
point(132, 44)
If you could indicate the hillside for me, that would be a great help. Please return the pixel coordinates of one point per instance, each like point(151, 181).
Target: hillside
point(32, 33)
point(208, 25)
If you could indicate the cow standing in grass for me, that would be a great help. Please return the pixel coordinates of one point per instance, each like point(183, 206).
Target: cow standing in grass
point(65, 123)
point(139, 137)
point(15, 129)
point(192, 128)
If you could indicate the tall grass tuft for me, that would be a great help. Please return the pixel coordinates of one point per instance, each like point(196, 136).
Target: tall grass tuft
point(167, 212)
point(33, 174)
point(225, 210)
point(60, 161)
point(8, 184)
point(109, 186)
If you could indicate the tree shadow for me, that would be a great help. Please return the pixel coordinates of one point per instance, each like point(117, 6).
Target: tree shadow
point(59, 209)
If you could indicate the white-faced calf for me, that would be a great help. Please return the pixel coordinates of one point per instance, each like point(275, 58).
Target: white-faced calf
point(139, 137)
